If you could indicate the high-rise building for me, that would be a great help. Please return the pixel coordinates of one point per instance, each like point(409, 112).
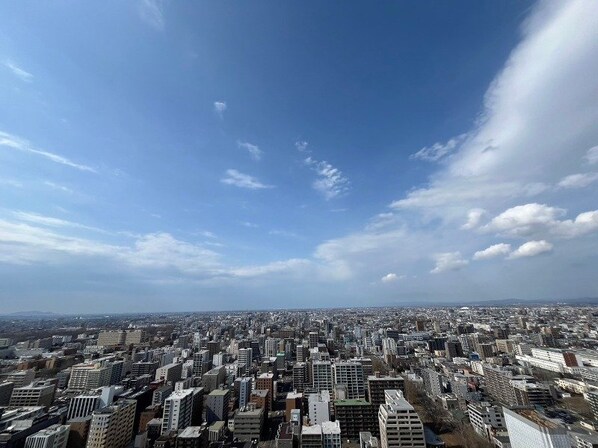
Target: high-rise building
point(318, 405)
point(302, 353)
point(331, 434)
point(245, 357)
point(378, 384)
point(322, 376)
point(355, 416)
point(178, 410)
point(201, 362)
point(271, 347)
point(313, 339)
point(112, 426)
point(5, 393)
point(592, 397)
point(485, 419)
point(54, 436)
point(84, 405)
point(498, 384)
point(20, 378)
point(249, 424)
point(527, 429)
point(134, 337)
point(432, 382)
point(266, 381)
point(216, 404)
point(245, 386)
point(170, 373)
point(300, 376)
point(400, 426)
point(111, 338)
point(350, 374)
point(39, 393)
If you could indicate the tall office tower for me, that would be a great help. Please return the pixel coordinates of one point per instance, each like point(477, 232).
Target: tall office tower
point(355, 416)
point(271, 347)
point(178, 410)
point(111, 338)
point(432, 382)
point(112, 426)
point(592, 398)
point(350, 374)
point(245, 386)
point(84, 405)
point(38, 393)
point(217, 403)
point(400, 426)
point(420, 324)
point(54, 436)
point(322, 376)
point(294, 401)
point(134, 337)
point(302, 353)
point(266, 381)
point(331, 434)
point(300, 376)
point(313, 339)
point(214, 378)
point(5, 393)
point(378, 384)
point(245, 357)
point(527, 429)
point(170, 373)
point(318, 407)
point(453, 349)
point(213, 348)
point(498, 385)
point(89, 376)
point(201, 362)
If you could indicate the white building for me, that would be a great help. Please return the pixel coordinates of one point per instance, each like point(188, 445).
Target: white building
point(331, 434)
point(485, 419)
point(55, 436)
point(319, 407)
point(178, 410)
point(400, 426)
point(528, 429)
point(245, 357)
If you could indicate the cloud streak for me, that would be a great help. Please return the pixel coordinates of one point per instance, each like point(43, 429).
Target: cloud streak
point(238, 179)
point(18, 144)
point(18, 71)
point(254, 151)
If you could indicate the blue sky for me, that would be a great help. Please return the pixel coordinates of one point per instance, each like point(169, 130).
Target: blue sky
point(167, 155)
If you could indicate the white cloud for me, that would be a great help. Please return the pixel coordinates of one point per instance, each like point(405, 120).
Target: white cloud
point(580, 180)
point(330, 182)
point(539, 115)
point(152, 13)
point(284, 233)
point(592, 155)
point(438, 150)
point(13, 142)
point(474, 218)
point(219, 108)
point(254, 151)
point(540, 219)
point(301, 146)
point(496, 250)
point(531, 249)
point(56, 186)
point(391, 278)
point(234, 177)
point(18, 71)
point(448, 261)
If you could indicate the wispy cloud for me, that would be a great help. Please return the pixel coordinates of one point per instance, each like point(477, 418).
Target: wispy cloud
point(438, 150)
point(448, 261)
point(592, 155)
point(254, 151)
point(13, 142)
point(330, 182)
point(152, 13)
point(579, 180)
point(301, 146)
point(284, 233)
point(18, 71)
point(48, 221)
point(219, 108)
point(234, 177)
point(391, 278)
point(59, 187)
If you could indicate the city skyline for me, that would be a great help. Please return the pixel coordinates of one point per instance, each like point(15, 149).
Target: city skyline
point(203, 157)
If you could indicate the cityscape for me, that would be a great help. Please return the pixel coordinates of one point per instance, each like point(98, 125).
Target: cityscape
point(299, 224)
